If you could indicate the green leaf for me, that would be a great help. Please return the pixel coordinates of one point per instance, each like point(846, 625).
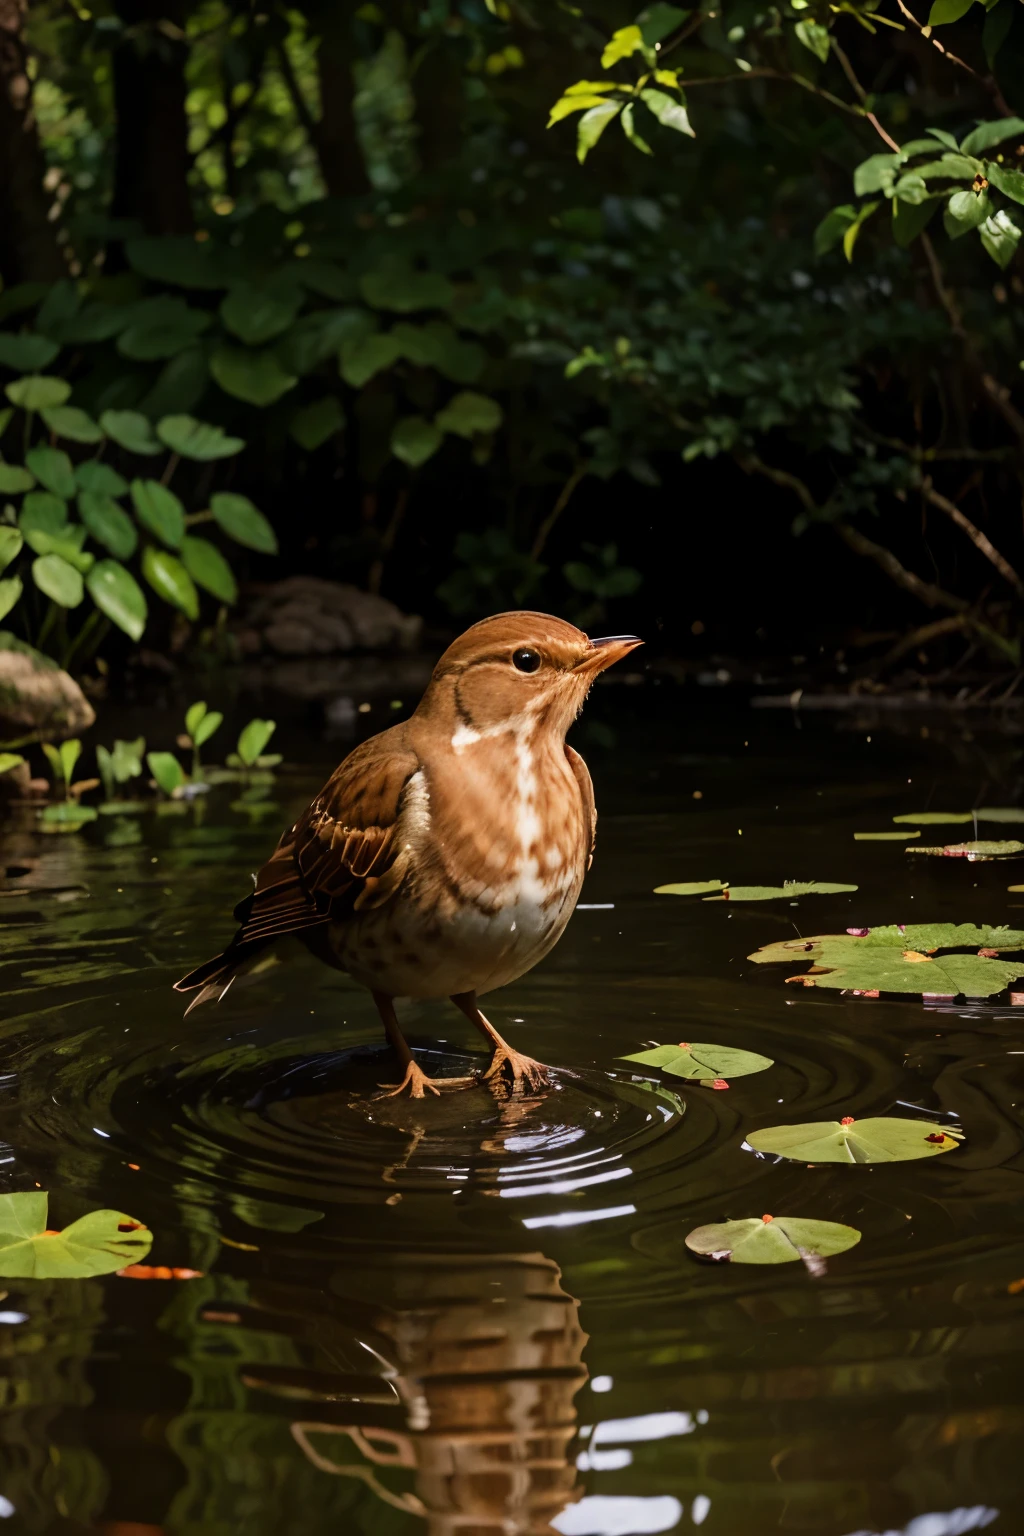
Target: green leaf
point(592, 124)
point(995, 32)
point(206, 727)
point(321, 277)
point(243, 522)
point(252, 743)
point(256, 315)
point(319, 335)
point(209, 569)
point(10, 592)
point(126, 759)
point(438, 345)
point(850, 237)
point(875, 1140)
point(159, 510)
point(170, 580)
point(910, 219)
point(566, 105)
point(58, 580)
point(624, 43)
point(100, 479)
point(66, 542)
point(95, 322)
point(197, 439)
point(988, 134)
point(130, 430)
point(70, 752)
point(702, 1063)
point(255, 377)
point(883, 837)
point(10, 545)
point(414, 440)
point(161, 327)
point(182, 261)
point(814, 37)
point(401, 288)
point(1009, 182)
point(943, 137)
point(890, 960)
point(108, 524)
point(180, 385)
point(9, 760)
point(657, 21)
point(68, 421)
point(53, 469)
point(934, 818)
point(945, 11)
point(42, 512)
point(38, 392)
point(690, 888)
point(97, 1244)
point(193, 716)
point(670, 113)
point(468, 414)
point(791, 889)
point(833, 227)
point(965, 211)
point(166, 770)
point(629, 129)
point(771, 1240)
point(876, 174)
point(1000, 236)
point(67, 816)
point(14, 479)
point(1011, 813)
point(25, 353)
point(60, 305)
point(974, 851)
point(314, 424)
point(362, 357)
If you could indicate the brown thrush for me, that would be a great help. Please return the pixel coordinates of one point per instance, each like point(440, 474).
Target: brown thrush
point(444, 857)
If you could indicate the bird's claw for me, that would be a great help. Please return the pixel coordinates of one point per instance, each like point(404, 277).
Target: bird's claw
point(525, 1072)
point(417, 1084)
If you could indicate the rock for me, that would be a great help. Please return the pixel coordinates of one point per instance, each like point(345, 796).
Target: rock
point(308, 616)
point(38, 700)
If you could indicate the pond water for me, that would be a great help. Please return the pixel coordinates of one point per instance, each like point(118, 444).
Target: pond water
point(472, 1316)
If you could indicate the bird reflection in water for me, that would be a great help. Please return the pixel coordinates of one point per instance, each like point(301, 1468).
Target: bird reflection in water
point(484, 1355)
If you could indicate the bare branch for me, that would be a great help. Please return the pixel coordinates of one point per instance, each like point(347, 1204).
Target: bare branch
point(980, 540)
point(987, 82)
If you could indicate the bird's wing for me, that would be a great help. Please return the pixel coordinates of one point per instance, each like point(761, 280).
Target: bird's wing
point(582, 776)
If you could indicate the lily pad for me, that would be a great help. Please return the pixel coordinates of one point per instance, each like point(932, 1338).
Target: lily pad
point(97, 1244)
point(771, 1240)
point(934, 818)
point(66, 815)
point(1004, 813)
point(903, 958)
point(975, 852)
point(703, 1063)
point(881, 1139)
point(883, 837)
point(690, 888)
point(723, 891)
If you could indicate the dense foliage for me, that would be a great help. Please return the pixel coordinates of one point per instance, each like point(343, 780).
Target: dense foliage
point(450, 339)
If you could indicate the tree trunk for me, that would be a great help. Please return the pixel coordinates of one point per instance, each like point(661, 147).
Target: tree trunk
point(152, 161)
point(337, 143)
point(29, 251)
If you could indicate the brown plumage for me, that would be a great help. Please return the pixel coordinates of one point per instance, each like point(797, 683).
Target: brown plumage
point(444, 857)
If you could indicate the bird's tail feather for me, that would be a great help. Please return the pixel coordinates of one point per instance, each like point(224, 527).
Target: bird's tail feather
point(212, 990)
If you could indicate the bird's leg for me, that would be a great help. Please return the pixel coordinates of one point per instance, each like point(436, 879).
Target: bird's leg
point(415, 1080)
point(524, 1070)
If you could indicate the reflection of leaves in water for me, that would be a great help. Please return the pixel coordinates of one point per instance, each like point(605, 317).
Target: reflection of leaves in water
point(881, 1139)
point(702, 1062)
point(271, 1216)
point(974, 851)
point(771, 1240)
point(123, 832)
point(896, 959)
point(96, 1244)
point(83, 970)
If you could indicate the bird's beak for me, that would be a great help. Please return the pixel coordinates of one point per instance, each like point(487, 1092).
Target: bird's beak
point(606, 652)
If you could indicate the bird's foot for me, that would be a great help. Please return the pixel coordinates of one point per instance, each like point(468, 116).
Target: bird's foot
point(523, 1070)
point(417, 1084)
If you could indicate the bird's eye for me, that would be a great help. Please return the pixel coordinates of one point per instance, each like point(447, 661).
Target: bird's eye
point(526, 660)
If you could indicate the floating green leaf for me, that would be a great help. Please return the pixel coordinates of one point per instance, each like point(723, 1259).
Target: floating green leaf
point(68, 421)
point(883, 837)
point(690, 888)
point(701, 1062)
point(67, 816)
point(876, 1140)
point(771, 1240)
point(243, 522)
point(414, 440)
point(166, 770)
point(160, 511)
point(58, 580)
point(197, 439)
point(255, 377)
point(727, 892)
point(26, 353)
point(208, 567)
point(975, 852)
point(108, 523)
point(313, 424)
point(170, 580)
point(935, 818)
point(130, 430)
point(118, 595)
point(1004, 813)
point(97, 1244)
point(902, 959)
point(468, 414)
point(37, 392)
point(53, 469)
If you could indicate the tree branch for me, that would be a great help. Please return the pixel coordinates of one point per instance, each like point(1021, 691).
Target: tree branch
point(987, 82)
point(980, 540)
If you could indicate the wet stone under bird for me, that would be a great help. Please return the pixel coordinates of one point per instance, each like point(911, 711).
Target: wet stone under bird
point(476, 1313)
